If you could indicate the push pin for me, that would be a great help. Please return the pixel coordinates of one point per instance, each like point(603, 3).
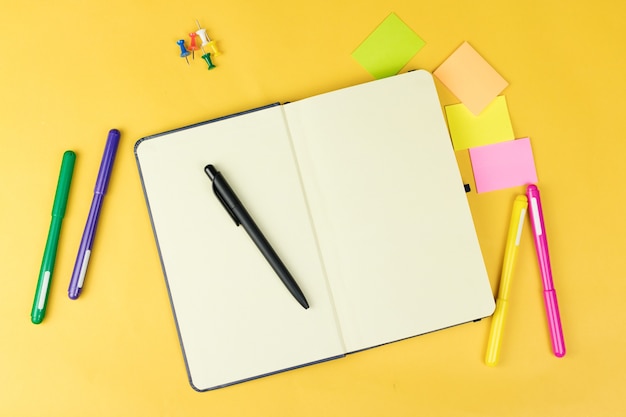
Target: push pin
point(206, 41)
point(184, 53)
point(207, 58)
point(192, 44)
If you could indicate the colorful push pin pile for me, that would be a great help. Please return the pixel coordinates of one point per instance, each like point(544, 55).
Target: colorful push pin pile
point(193, 46)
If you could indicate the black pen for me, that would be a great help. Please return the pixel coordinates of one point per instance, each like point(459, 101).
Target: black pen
point(240, 215)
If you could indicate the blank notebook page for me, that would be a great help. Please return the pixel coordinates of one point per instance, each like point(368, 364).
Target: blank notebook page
point(236, 320)
point(390, 210)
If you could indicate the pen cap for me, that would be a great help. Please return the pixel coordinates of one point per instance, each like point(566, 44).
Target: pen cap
point(63, 186)
point(106, 165)
point(536, 213)
point(539, 235)
point(514, 235)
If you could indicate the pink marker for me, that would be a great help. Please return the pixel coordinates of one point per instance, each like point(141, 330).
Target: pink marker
point(549, 294)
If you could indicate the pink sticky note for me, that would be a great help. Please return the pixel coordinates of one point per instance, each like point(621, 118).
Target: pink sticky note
point(470, 78)
point(503, 165)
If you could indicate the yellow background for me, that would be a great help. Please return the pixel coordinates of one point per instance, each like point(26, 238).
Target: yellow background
point(72, 70)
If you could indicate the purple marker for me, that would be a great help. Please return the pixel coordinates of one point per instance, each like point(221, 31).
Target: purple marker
point(84, 250)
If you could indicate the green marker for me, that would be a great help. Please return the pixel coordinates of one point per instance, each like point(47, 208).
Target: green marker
point(50, 253)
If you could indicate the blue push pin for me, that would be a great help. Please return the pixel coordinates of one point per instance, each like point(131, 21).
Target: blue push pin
point(184, 53)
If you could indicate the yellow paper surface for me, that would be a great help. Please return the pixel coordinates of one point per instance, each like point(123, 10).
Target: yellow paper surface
point(72, 70)
point(491, 126)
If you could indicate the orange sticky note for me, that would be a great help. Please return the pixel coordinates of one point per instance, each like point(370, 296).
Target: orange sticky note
point(470, 78)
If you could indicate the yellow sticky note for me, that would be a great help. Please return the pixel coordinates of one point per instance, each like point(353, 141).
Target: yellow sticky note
point(467, 130)
point(470, 78)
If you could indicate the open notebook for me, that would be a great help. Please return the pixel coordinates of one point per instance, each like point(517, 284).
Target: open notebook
point(359, 193)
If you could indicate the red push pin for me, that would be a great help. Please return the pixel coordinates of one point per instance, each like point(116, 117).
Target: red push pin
point(192, 44)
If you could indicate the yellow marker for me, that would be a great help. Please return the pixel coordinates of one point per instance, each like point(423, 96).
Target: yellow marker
point(510, 256)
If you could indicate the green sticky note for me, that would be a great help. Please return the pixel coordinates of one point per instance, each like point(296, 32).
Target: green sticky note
point(388, 48)
point(467, 130)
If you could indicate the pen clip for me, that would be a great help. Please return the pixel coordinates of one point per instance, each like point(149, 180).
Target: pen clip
point(228, 209)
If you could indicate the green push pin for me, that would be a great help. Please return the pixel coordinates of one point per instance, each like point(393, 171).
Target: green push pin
point(207, 58)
